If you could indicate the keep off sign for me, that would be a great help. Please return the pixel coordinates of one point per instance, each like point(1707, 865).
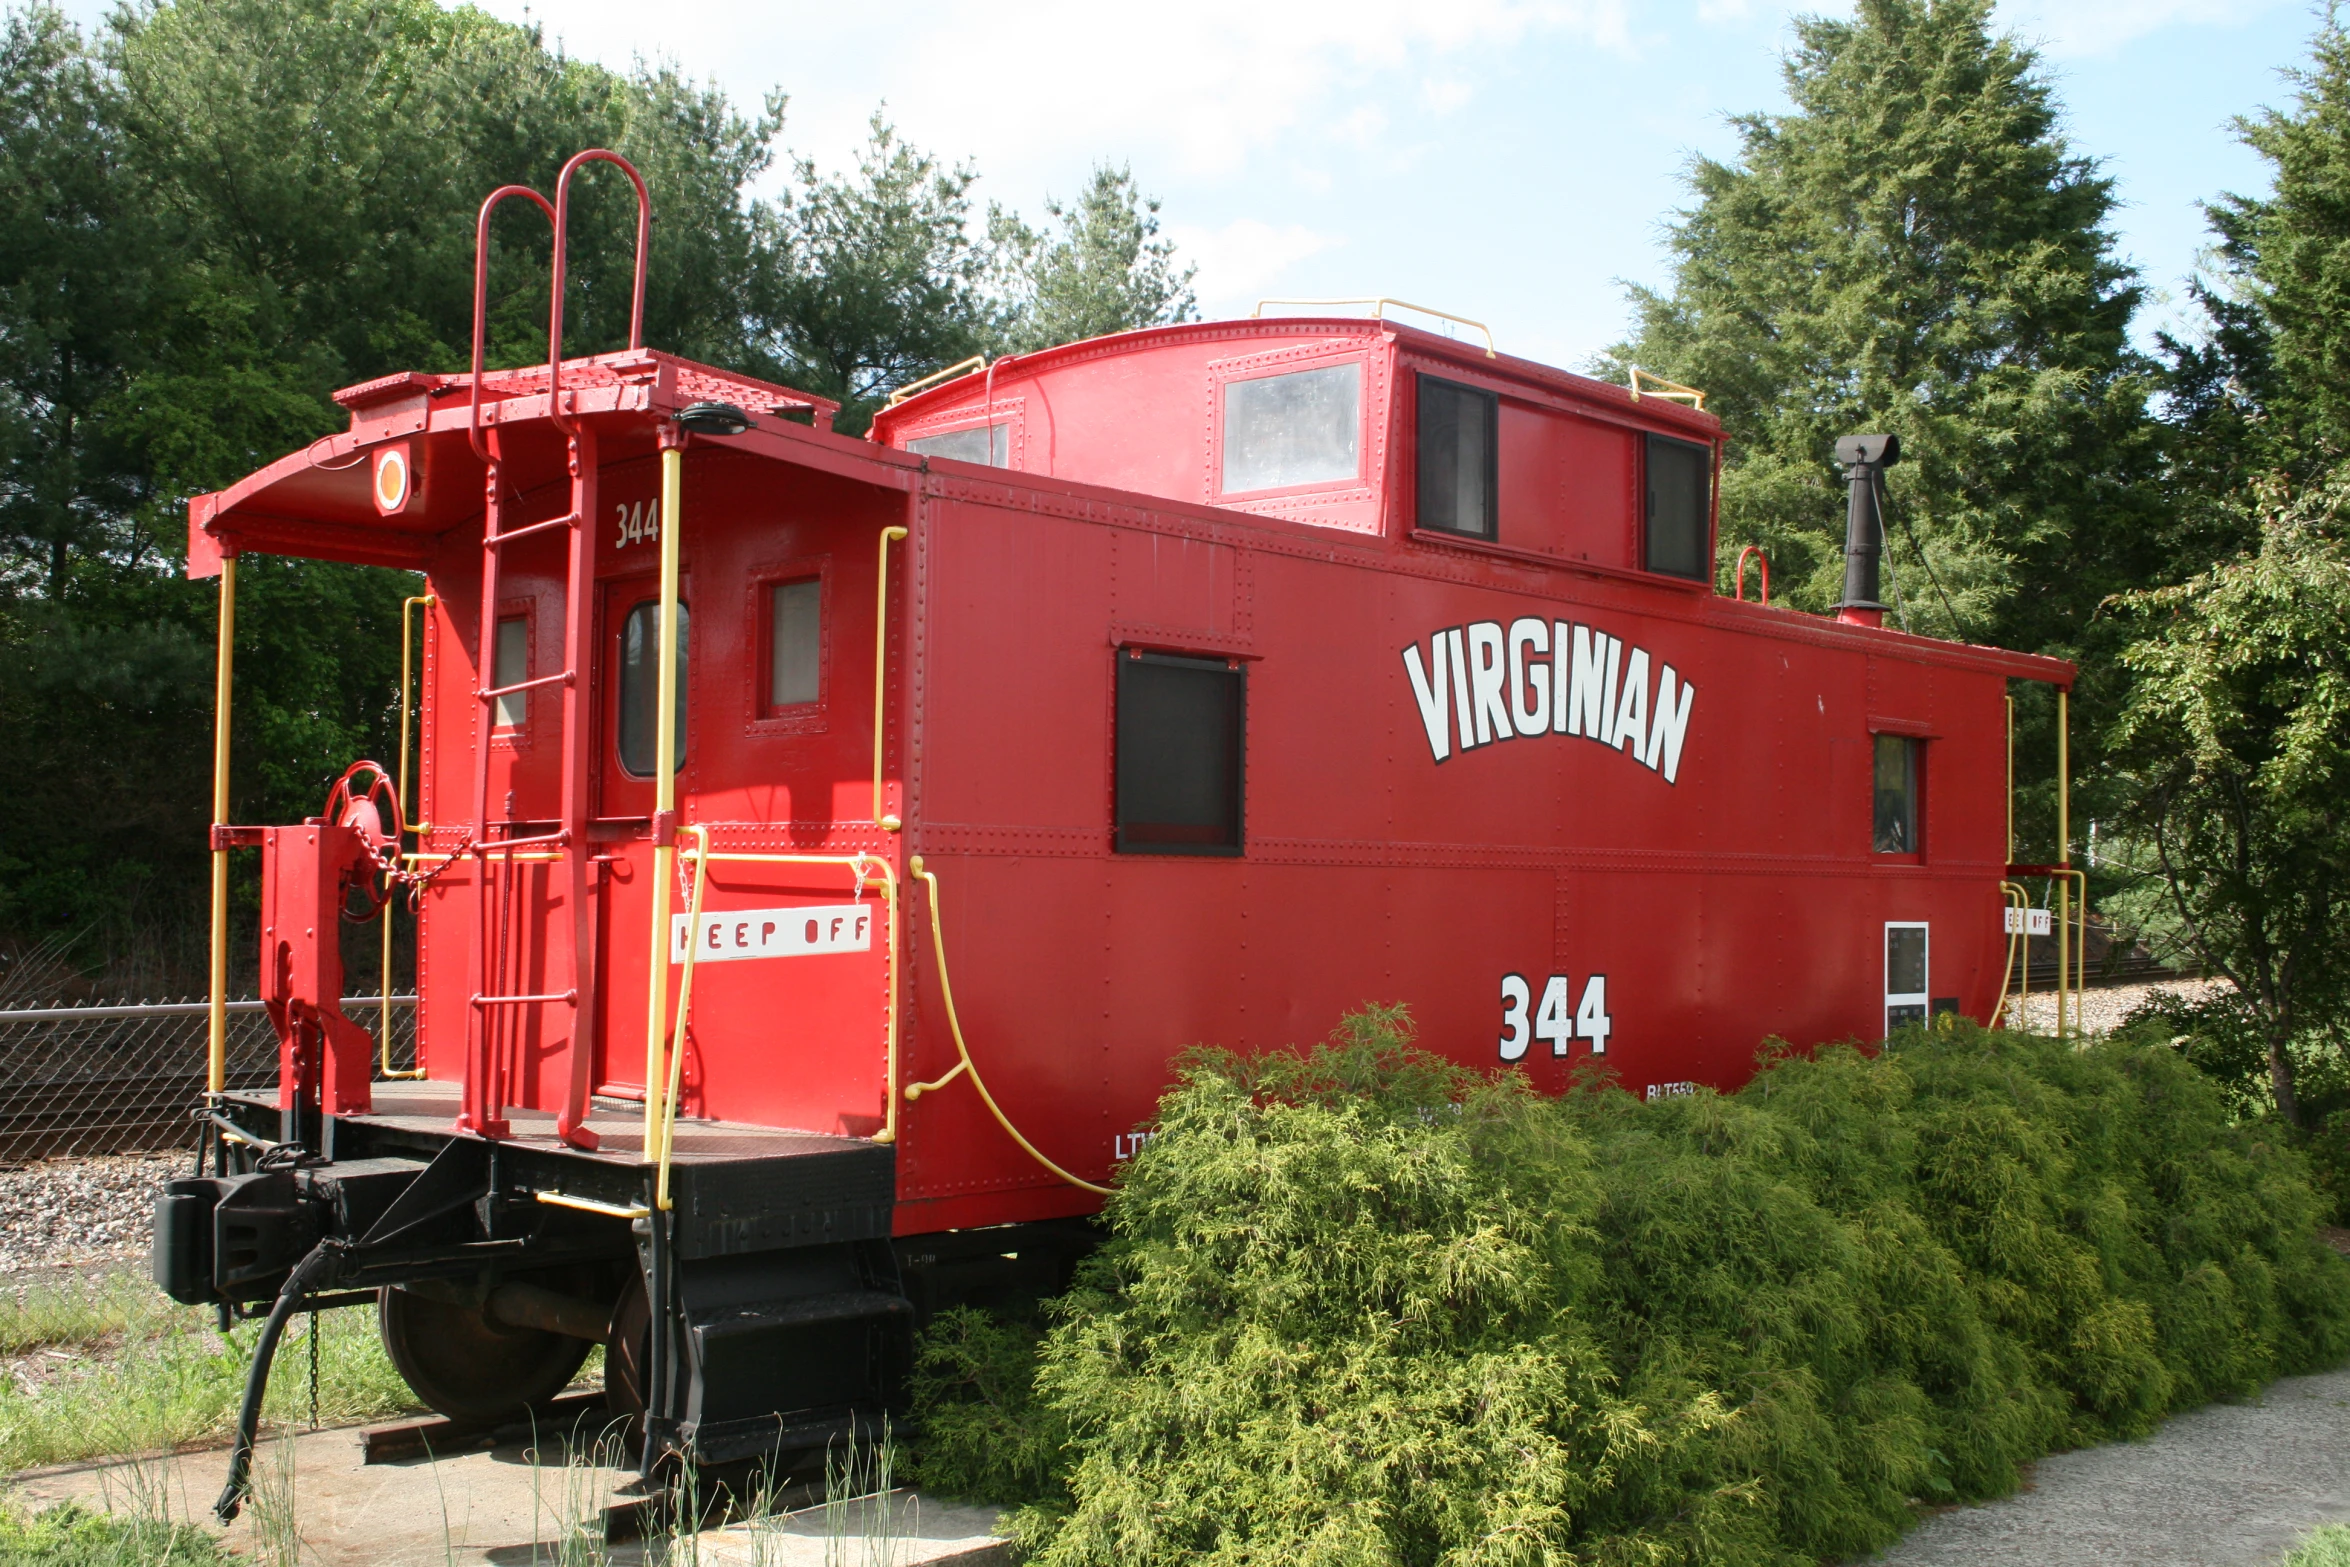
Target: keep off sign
point(800, 932)
point(2027, 922)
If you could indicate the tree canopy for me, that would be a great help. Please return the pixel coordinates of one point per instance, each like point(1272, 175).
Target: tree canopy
point(223, 210)
point(1916, 248)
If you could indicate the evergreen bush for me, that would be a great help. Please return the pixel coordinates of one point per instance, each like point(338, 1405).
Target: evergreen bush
point(1361, 1305)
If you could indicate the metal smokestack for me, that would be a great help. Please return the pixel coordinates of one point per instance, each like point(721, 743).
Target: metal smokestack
point(1865, 459)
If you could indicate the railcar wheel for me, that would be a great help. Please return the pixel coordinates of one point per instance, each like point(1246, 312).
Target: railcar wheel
point(469, 1368)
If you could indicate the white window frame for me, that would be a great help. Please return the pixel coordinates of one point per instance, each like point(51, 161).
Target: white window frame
point(1919, 999)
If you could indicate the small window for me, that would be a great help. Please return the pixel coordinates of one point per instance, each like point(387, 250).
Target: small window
point(1458, 458)
point(1905, 975)
point(1181, 729)
point(794, 642)
point(1896, 795)
point(511, 667)
point(1680, 507)
point(640, 685)
point(987, 444)
point(1286, 430)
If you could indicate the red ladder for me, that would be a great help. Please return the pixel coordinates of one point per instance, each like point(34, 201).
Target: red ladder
point(498, 1009)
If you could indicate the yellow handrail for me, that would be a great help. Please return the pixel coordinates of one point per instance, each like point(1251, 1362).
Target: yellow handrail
point(946, 994)
point(383, 1032)
point(1379, 304)
point(881, 667)
point(1664, 390)
point(685, 1002)
point(216, 1058)
point(975, 362)
point(2017, 899)
point(664, 791)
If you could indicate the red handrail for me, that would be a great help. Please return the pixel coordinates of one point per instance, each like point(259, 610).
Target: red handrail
point(481, 290)
point(562, 216)
point(1763, 563)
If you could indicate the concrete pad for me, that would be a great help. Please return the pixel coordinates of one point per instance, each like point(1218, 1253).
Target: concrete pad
point(501, 1505)
point(2227, 1485)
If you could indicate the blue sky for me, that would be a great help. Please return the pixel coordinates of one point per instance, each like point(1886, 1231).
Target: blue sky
point(1509, 160)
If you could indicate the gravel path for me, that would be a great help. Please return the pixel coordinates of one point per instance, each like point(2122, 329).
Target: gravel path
point(61, 1213)
point(2103, 1009)
point(2227, 1485)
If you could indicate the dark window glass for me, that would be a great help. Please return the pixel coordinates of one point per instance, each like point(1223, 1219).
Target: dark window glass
point(795, 643)
point(1457, 458)
point(1896, 795)
point(640, 686)
point(1680, 497)
point(1181, 728)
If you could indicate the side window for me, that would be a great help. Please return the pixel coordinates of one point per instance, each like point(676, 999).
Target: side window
point(1182, 726)
point(1457, 458)
point(1898, 761)
point(795, 643)
point(1905, 975)
point(640, 685)
point(1286, 430)
point(510, 667)
point(1680, 508)
point(986, 444)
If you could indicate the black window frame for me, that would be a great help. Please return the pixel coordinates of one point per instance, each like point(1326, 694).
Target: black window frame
point(1420, 508)
point(1704, 570)
point(1134, 838)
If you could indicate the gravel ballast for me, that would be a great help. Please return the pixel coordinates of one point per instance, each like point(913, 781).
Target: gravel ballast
point(67, 1213)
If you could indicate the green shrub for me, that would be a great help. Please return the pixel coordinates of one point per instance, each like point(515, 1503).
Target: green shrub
point(1363, 1306)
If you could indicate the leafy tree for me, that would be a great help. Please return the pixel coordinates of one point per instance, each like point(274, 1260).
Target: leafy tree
point(880, 282)
point(1916, 249)
point(1107, 270)
point(2236, 739)
point(73, 277)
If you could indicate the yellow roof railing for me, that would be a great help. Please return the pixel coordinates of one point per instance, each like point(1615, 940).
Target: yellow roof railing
point(1379, 311)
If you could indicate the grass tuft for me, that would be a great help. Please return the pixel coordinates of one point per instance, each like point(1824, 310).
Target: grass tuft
point(69, 1536)
point(107, 1364)
point(2328, 1547)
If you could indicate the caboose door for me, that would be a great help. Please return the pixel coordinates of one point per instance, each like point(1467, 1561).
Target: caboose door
point(628, 681)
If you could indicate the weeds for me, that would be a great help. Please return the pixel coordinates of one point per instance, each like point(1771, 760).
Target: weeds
point(110, 1365)
point(1361, 1305)
point(2328, 1547)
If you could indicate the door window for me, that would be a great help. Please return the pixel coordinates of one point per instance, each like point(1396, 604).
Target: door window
point(640, 684)
point(1905, 974)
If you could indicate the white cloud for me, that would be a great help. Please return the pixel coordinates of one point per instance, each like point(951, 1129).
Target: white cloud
point(2076, 28)
point(1196, 94)
point(1242, 261)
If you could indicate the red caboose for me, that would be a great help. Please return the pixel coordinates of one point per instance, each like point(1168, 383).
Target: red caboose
point(823, 846)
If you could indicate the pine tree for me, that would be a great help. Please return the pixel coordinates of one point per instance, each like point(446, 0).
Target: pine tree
point(1916, 249)
point(2269, 386)
point(1108, 270)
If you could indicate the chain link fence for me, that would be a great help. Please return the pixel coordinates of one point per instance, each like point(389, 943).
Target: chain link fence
point(122, 1079)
